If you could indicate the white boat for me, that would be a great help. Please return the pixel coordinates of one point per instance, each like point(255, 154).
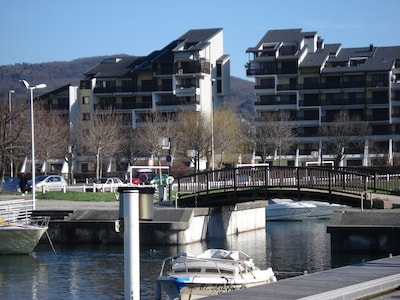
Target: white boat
point(289, 210)
point(213, 272)
point(19, 232)
point(323, 210)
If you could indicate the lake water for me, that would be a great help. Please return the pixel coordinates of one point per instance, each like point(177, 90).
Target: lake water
point(97, 271)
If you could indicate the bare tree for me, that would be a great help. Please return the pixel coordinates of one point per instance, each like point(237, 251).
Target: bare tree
point(100, 136)
point(274, 135)
point(156, 125)
point(341, 134)
point(193, 134)
point(131, 149)
point(227, 134)
point(13, 135)
point(51, 135)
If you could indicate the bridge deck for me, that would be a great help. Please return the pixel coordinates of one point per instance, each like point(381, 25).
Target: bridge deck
point(350, 282)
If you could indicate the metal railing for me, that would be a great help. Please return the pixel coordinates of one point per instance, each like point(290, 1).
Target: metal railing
point(263, 178)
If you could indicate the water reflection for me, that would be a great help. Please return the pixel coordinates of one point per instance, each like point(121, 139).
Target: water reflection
point(27, 271)
point(297, 247)
point(96, 271)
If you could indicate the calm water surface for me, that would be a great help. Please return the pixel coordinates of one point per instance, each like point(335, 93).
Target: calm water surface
point(96, 271)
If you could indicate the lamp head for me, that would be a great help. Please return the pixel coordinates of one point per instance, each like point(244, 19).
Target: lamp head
point(25, 84)
point(40, 86)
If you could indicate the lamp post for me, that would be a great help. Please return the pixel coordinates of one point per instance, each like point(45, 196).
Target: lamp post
point(31, 88)
point(10, 92)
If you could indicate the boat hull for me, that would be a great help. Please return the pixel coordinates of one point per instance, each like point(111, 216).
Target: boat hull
point(288, 211)
point(189, 288)
point(20, 239)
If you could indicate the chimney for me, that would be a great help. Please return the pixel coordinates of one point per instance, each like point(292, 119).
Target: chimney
point(371, 47)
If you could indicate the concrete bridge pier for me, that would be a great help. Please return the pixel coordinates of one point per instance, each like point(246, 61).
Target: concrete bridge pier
point(198, 224)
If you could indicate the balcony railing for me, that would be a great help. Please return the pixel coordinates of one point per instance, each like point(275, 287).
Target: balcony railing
point(193, 67)
point(286, 87)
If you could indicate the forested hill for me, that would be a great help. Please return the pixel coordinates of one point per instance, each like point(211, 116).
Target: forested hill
point(60, 73)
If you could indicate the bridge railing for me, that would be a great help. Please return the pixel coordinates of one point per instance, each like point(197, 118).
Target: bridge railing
point(264, 177)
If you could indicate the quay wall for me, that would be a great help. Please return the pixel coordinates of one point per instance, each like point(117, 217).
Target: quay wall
point(370, 231)
point(170, 226)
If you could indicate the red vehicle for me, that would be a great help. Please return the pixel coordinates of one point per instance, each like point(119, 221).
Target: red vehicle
point(141, 176)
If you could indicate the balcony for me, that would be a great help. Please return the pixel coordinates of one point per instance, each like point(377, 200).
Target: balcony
point(286, 87)
point(133, 105)
point(182, 91)
point(176, 102)
point(192, 67)
point(377, 84)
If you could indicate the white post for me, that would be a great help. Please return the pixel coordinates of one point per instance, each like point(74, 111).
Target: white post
point(33, 153)
point(131, 244)
point(9, 107)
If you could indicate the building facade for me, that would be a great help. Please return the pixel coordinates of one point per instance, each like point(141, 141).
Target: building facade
point(296, 72)
point(190, 73)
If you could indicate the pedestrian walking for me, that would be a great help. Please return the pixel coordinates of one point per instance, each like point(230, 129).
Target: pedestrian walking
point(23, 182)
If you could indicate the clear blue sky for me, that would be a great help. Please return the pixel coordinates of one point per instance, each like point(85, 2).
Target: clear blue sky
point(53, 30)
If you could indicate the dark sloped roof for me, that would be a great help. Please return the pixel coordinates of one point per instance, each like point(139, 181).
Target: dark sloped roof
point(195, 40)
point(376, 58)
point(281, 35)
point(198, 37)
point(113, 67)
point(316, 59)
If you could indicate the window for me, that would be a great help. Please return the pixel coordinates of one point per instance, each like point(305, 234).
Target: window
point(219, 70)
point(311, 82)
point(219, 86)
point(85, 167)
point(311, 99)
point(333, 99)
point(86, 117)
point(85, 100)
point(380, 97)
point(357, 61)
point(267, 83)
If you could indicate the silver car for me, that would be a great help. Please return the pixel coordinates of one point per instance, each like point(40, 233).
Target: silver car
point(49, 183)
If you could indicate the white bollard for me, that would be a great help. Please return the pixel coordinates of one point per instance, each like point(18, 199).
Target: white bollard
point(130, 200)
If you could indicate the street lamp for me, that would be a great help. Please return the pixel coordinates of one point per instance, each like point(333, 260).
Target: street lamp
point(31, 88)
point(9, 107)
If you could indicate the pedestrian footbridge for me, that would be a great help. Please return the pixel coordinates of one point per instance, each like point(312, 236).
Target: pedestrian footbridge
point(250, 183)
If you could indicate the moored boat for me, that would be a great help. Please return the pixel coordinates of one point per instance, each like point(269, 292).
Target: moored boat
point(19, 232)
point(289, 210)
point(213, 272)
point(323, 210)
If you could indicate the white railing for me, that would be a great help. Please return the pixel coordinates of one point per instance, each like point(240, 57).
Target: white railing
point(16, 209)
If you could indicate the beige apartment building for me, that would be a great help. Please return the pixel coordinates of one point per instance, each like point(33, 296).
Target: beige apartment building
point(296, 72)
point(190, 73)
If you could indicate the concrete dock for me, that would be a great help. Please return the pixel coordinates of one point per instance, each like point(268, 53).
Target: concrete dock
point(95, 222)
point(361, 281)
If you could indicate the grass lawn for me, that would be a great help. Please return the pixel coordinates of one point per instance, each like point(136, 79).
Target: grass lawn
point(82, 196)
point(79, 196)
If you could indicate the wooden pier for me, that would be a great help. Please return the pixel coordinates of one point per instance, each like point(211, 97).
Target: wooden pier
point(369, 279)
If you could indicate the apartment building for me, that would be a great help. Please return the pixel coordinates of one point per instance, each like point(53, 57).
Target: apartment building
point(190, 73)
point(296, 72)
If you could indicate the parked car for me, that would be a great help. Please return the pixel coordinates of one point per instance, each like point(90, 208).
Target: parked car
point(10, 184)
point(107, 184)
point(156, 179)
point(49, 183)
